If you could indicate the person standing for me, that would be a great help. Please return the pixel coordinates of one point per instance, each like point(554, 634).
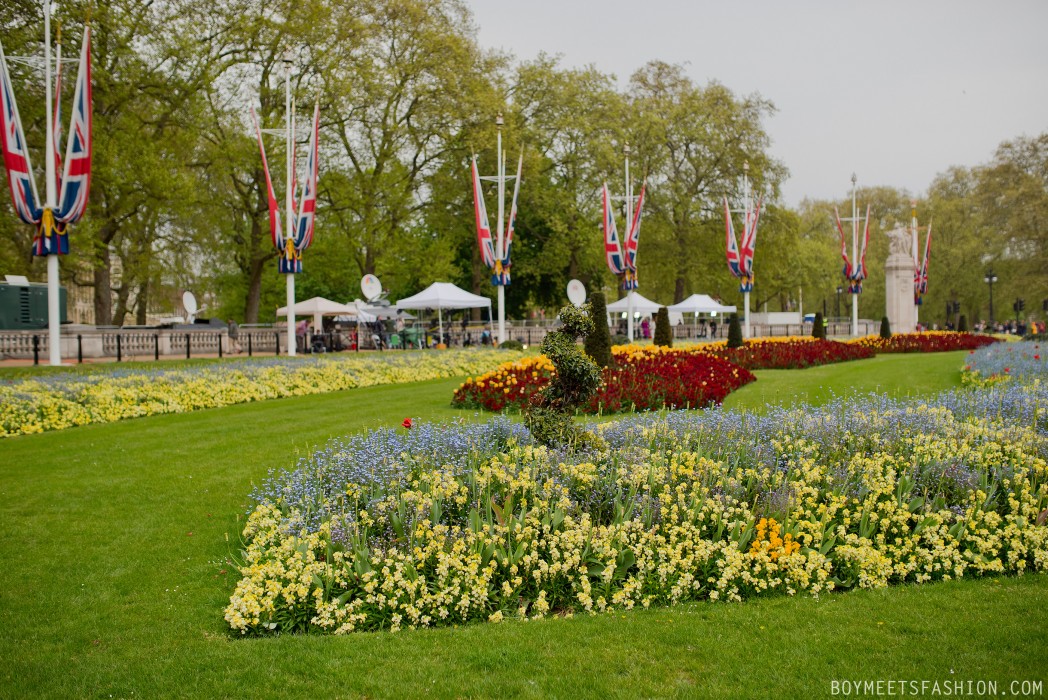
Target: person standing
point(234, 336)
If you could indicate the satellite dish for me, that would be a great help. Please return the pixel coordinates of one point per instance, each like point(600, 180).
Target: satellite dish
point(190, 303)
point(371, 287)
point(576, 292)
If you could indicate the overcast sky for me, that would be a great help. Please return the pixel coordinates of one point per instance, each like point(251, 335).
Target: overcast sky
point(895, 92)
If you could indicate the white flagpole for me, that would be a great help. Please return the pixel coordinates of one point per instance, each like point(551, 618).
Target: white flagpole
point(50, 204)
point(916, 263)
point(855, 259)
point(499, 242)
point(289, 237)
point(745, 232)
point(629, 205)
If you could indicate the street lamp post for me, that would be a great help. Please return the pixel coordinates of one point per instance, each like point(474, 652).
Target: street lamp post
point(989, 279)
point(840, 290)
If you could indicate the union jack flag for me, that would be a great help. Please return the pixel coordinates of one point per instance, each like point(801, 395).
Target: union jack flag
point(501, 276)
point(731, 245)
point(740, 260)
point(275, 231)
point(855, 272)
point(16, 156)
point(480, 212)
point(76, 174)
point(633, 236)
point(920, 280)
point(612, 248)
point(306, 219)
point(56, 140)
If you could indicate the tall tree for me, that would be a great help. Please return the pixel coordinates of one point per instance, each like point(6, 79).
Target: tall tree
point(693, 142)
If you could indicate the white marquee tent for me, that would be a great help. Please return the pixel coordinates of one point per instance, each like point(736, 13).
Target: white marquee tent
point(701, 304)
point(318, 307)
point(444, 295)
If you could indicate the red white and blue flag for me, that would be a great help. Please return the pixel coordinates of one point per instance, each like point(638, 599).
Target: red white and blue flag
point(16, 155)
point(632, 239)
point(288, 262)
point(731, 244)
point(56, 136)
point(749, 242)
point(275, 231)
point(501, 274)
point(740, 260)
point(612, 248)
point(920, 281)
point(76, 172)
point(306, 218)
point(854, 271)
point(480, 213)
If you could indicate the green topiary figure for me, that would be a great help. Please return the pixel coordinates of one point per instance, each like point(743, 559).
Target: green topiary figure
point(962, 324)
point(818, 327)
point(549, 417)
point(735, 332)
point(663, 329)
point(598, 343)
point(886, 328)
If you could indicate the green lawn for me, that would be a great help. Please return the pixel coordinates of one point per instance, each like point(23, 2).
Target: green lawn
point(113, 540)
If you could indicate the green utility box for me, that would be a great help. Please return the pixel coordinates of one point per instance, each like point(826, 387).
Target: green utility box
point(24, 306)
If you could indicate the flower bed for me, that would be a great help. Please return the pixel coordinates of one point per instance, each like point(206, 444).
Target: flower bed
point(1004, 361)
point(789, 353)
point(927, 341)
point(641, 379)
point(63, 400)
point(448, 524)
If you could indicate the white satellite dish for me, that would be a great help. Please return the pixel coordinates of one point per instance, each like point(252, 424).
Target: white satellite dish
point(576, 292)
point(190, 303)
point(371, 287)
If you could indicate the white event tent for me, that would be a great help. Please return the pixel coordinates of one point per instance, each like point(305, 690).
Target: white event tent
point(444, 295)
point(641, 305)
point(318, 307)
point(701, 304)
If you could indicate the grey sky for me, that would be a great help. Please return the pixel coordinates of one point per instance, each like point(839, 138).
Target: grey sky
point(896, 92)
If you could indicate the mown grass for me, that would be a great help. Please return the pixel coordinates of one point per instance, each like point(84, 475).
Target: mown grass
point(113, 540)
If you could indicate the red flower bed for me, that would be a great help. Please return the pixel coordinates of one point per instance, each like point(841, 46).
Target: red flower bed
point(929, 341)
point(668, 380)
point(789, 354)
point(638, 381)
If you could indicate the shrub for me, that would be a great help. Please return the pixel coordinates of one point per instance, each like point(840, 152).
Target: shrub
point(818, 327)
point(598, 343)
point(886, 328)
point(734, 332)
point(663, 330)
point(511, 345)
point(619, 339)
point(549, 415)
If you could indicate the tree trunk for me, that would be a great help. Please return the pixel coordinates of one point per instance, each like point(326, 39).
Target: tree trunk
point(120, 312)
point(142, 303)
point(103, 287)
point(254, 290)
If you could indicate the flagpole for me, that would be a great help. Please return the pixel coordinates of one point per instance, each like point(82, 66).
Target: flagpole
point(855, 259)
point(289, 236)
point(745, 232)
point(629, 205)
point(50, 204)
point(916, 264)
point(499, 242)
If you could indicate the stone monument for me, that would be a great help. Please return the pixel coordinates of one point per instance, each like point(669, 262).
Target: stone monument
point(898, 282)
